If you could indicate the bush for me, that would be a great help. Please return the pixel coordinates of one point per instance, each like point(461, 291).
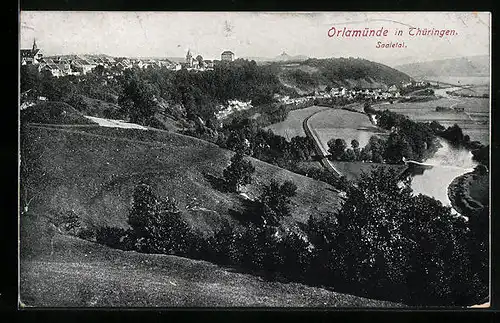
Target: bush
point(157, 224)
point(392, 245)
point(112, 237)
point(53, 113)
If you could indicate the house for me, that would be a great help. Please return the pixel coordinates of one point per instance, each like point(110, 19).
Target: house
point(31, 56)
point(53, 69)
point(227, 56)
point(393, 88)
point(81, 66)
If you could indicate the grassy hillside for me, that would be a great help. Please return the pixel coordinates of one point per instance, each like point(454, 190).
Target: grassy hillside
point(85, 274)
point(92, 171)
point(316, 74)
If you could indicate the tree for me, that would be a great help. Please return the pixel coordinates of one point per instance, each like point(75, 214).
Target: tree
point(274, 201)
point(157, 224)
point(139, 99)
point(349, 155)
point(29, 78)
point(454, 134)
point(336, 147)
point(396, 148)
point(199, 58)
point(368, 109)
point(239, 172)
point(354, 144)
point(482, 155)
point(387, 239)
point(365, 154)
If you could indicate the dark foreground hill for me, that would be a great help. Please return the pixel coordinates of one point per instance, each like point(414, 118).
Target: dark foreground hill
point(92, 171)
point(463, 66)
point(85, 274)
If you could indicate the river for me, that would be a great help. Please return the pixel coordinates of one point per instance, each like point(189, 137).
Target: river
point(447, 163)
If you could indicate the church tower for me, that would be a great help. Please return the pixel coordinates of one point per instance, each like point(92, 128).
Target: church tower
point(189, 59)
point(34, 48)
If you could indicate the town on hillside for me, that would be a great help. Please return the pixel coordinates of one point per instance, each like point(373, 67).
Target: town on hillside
point(78, 65)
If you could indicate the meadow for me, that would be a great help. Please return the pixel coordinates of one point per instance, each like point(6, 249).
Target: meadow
point(292, 126)
point(474, 121)
point(85, 274)
point(459, 80)
point(348, 125)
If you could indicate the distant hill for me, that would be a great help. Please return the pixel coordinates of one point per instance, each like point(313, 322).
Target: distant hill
point(315, 74)
point(283, 57)
point(463, 66)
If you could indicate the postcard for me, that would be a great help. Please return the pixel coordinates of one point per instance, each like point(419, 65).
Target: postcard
point(254, 159)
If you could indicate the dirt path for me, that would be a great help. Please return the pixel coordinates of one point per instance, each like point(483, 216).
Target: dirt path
point(115, 123)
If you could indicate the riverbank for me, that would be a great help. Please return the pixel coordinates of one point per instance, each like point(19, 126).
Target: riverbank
point(469, 193)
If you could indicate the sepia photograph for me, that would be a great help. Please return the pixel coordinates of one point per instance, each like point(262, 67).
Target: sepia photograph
point(254, 159)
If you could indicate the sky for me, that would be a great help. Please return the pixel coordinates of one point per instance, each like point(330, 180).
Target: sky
point(254, 34)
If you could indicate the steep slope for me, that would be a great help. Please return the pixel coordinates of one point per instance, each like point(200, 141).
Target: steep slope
point(463, 66)
point(93, 170)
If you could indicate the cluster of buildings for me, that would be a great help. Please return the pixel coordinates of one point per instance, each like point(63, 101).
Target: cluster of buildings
point(231, 107)
point(200, 64)
point(82, 64)
point(342, 92)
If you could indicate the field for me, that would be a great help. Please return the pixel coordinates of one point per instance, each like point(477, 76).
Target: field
point(474, 121)
point(292, 126)
point(93, 170)
point(474, 91)
point(85, 274)
point(459, 80)
point(353, 170)
point(338, 123)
